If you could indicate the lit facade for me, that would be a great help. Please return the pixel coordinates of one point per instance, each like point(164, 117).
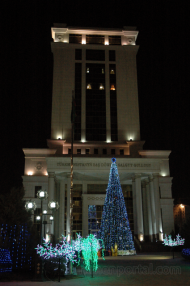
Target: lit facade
point(99, 68)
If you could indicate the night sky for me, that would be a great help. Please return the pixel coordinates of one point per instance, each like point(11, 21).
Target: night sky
point(162, 65)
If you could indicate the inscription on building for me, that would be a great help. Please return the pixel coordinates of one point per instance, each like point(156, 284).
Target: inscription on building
point(122, 165)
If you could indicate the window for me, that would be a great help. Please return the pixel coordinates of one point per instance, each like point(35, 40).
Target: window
point(101, 87)
point(96, 151)
point(121, 151)
point(102, 70)
point(112, 87)
point(37, 188)
point(95, 39)
point(69, 151)
point(78, 151)
point(89, 86)
point(113, 151)
point(87, 151)
point(104, 151)
point(75, 39)
point(115, 40)
point(112, 71)
point(111, 55)
point(95, 55)
point(78, 54)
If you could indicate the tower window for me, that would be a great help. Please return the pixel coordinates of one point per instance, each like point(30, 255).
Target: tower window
point(113, 151)
point(112, 87)
point(78, 151)
point(96, 151)
point(101, 87)
point(69, 151)
point(87, 151)
point(121, 151)
point(104, 151)
point(78, 54)
point(89, 86)
point(111, 55)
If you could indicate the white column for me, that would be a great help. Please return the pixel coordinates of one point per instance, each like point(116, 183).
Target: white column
point(51, 190)
point(62, 208)
point(145, 211)
point(68, 203)
point(107, 90)
point(157, 203)
point(140, 229)
point(149, 209)
point(84, 216)
point(83, 99)
point(134, 206)
point(51, 186)
point(152, 203)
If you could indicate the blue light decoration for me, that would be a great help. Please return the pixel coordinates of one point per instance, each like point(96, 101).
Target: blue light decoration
point(15, 239)
point(5, 261)
point(186, 253)
point(115, 228)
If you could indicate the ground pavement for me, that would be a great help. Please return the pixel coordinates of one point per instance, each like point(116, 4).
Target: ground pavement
point(141, 269)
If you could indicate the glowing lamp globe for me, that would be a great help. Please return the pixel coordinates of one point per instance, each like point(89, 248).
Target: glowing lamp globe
point(53, 205)
point(42, 194)
point(30, 205)
point(51, 217)
point(44, 212)
point(38, 217)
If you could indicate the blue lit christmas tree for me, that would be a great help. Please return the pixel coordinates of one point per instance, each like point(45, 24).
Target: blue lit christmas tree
point(115, 224)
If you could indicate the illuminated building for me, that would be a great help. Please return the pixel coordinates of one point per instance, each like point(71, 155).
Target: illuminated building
point(99, 65)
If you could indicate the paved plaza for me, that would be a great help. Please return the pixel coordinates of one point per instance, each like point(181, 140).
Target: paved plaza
point(141, 269)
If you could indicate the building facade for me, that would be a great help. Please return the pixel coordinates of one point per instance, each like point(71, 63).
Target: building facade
point(98, 67)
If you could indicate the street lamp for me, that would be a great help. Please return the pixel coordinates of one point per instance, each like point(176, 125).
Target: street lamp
point(42, 194)
point(53, 205)
point(29, 205)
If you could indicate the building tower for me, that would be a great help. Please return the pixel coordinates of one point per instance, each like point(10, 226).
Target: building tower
point(99, 66)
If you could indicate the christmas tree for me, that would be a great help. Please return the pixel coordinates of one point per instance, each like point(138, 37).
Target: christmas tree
point(115, 224)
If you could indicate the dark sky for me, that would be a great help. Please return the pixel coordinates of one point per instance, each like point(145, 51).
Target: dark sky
point(162, 64)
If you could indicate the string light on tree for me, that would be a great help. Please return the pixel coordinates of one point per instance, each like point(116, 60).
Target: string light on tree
point(115, 228)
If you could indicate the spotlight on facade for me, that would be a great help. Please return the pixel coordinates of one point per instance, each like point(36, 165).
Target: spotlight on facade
point(161, 236)
point(30, 205)
point(130, 139)
point(51, 218)
point(38, 217)
point(141, 237)
point(182, 206)
point(30, 173)
point(53, 205)
point(42, 194)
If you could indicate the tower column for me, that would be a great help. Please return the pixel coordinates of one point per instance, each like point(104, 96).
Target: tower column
point(62, 209)
point(83, 98)
point(140, 229)
point(159, 228)
point(152, 202)
point(148, 210)
point(107, 88)
point(84, 217)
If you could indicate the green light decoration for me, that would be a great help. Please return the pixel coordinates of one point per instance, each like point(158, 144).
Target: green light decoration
point(90, 247)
